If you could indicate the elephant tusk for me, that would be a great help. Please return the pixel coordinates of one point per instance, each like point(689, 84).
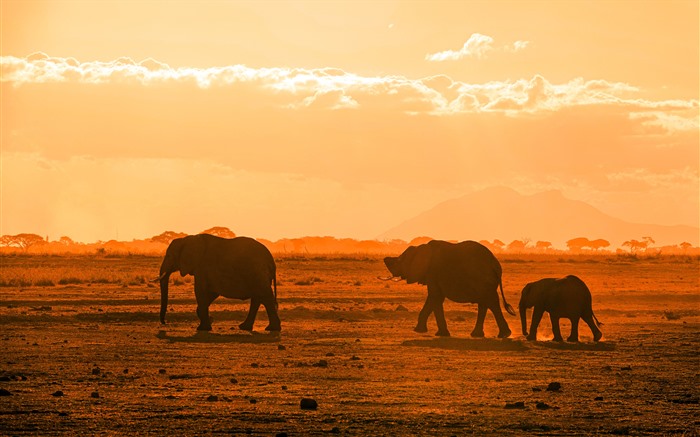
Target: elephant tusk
point(397, 279)
point(159, 277)
point(385, 279)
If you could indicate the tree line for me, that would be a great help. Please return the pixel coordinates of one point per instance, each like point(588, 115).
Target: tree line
point(34, 243)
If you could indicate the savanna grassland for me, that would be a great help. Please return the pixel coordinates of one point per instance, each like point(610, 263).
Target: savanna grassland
point(83, 353)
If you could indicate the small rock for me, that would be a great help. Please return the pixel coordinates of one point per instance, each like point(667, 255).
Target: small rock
point(170, 397)
point(284, 387)
point(281, 347)
point(4, 392)
point(253, 401)
point(598, 398)
point(536, 389)
point(401, 308)
point(57, 394)
point(162, 371)
point(281, 434)
point(427, 379)
point(95, 395)
point(126, 371)
point(321, 363)
point(515, 405)
point(542, 406)
point(308, 404)
point(234, 381)
point(62, 414)
point(554, 386)
point(330, 354)
point(335, 430)
point(626, 368)
point(354, 358)
point(255, 365)
point(96, 370)
point(213, 398)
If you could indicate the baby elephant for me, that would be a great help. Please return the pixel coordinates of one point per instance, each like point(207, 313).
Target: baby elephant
point(566, 298)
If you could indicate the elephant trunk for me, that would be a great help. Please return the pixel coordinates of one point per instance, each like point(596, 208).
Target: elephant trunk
point(523, 318)
point(164, 278)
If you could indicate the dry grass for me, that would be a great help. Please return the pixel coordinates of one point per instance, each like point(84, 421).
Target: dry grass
point(347, 342)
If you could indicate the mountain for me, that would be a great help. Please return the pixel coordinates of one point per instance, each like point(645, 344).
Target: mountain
point(507, 215)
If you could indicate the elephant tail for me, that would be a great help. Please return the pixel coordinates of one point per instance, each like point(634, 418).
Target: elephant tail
point(274, 288)
point(597, 322)
point(509, 308)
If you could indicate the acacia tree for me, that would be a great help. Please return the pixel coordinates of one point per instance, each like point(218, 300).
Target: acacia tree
point(23, 241)
point(517, 245)
point(220, 231)
point(167, 236)
point(635, 245)
point(576, 244)
point(598, 244)
point(543, 245)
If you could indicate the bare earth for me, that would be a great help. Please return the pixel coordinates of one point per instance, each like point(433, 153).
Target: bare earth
point(347, 344)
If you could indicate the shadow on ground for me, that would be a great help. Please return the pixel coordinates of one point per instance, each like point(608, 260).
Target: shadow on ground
point(600, 346)
point(470, 344)
point(207, 337)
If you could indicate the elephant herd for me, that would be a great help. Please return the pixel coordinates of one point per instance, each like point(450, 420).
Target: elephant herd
point(466, 272)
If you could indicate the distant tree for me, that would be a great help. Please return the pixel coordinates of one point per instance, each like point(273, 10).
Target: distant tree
point(648, 241)
point(685, 245)
point(635, 245)
point(23, 241)
point(66, 241)
point(499, 244)
point(577, 244)
point(420, 240)
point(220, 231)
point(516, 245)
point(167, 236)
point(598, 244)
point(543, 245)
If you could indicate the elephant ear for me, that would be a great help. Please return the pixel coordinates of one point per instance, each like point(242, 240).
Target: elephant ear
point(419, 265)
point(191, 254)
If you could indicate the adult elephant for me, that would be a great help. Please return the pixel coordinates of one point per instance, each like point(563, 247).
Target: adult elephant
point(238, 268)
point(567, 297)
point(465, 272)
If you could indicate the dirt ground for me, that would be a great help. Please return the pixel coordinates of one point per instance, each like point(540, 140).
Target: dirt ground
point(347, 342)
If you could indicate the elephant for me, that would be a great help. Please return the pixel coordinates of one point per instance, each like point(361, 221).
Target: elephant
point(237, 268)
point(567, 297)
point(465, 272)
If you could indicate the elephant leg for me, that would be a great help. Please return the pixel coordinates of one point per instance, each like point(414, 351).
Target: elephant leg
point(247, 324)
point(573, 337)
point(422, 326)
point(274, 325)
point(503, 328)
point(536, 317)
point(594, 329)
point(555, 327)
point(204, 299)
point(478, 331)
point(440, 317)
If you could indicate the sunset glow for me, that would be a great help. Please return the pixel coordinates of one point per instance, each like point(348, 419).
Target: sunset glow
point(121, 120)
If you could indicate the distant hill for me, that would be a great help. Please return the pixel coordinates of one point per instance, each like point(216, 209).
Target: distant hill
point(504, 214)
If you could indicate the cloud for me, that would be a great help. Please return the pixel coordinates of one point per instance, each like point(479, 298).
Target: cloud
point(332, 89)
point(477, 46)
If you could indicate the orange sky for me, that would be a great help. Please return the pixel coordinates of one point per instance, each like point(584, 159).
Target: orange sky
point(283, 119)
